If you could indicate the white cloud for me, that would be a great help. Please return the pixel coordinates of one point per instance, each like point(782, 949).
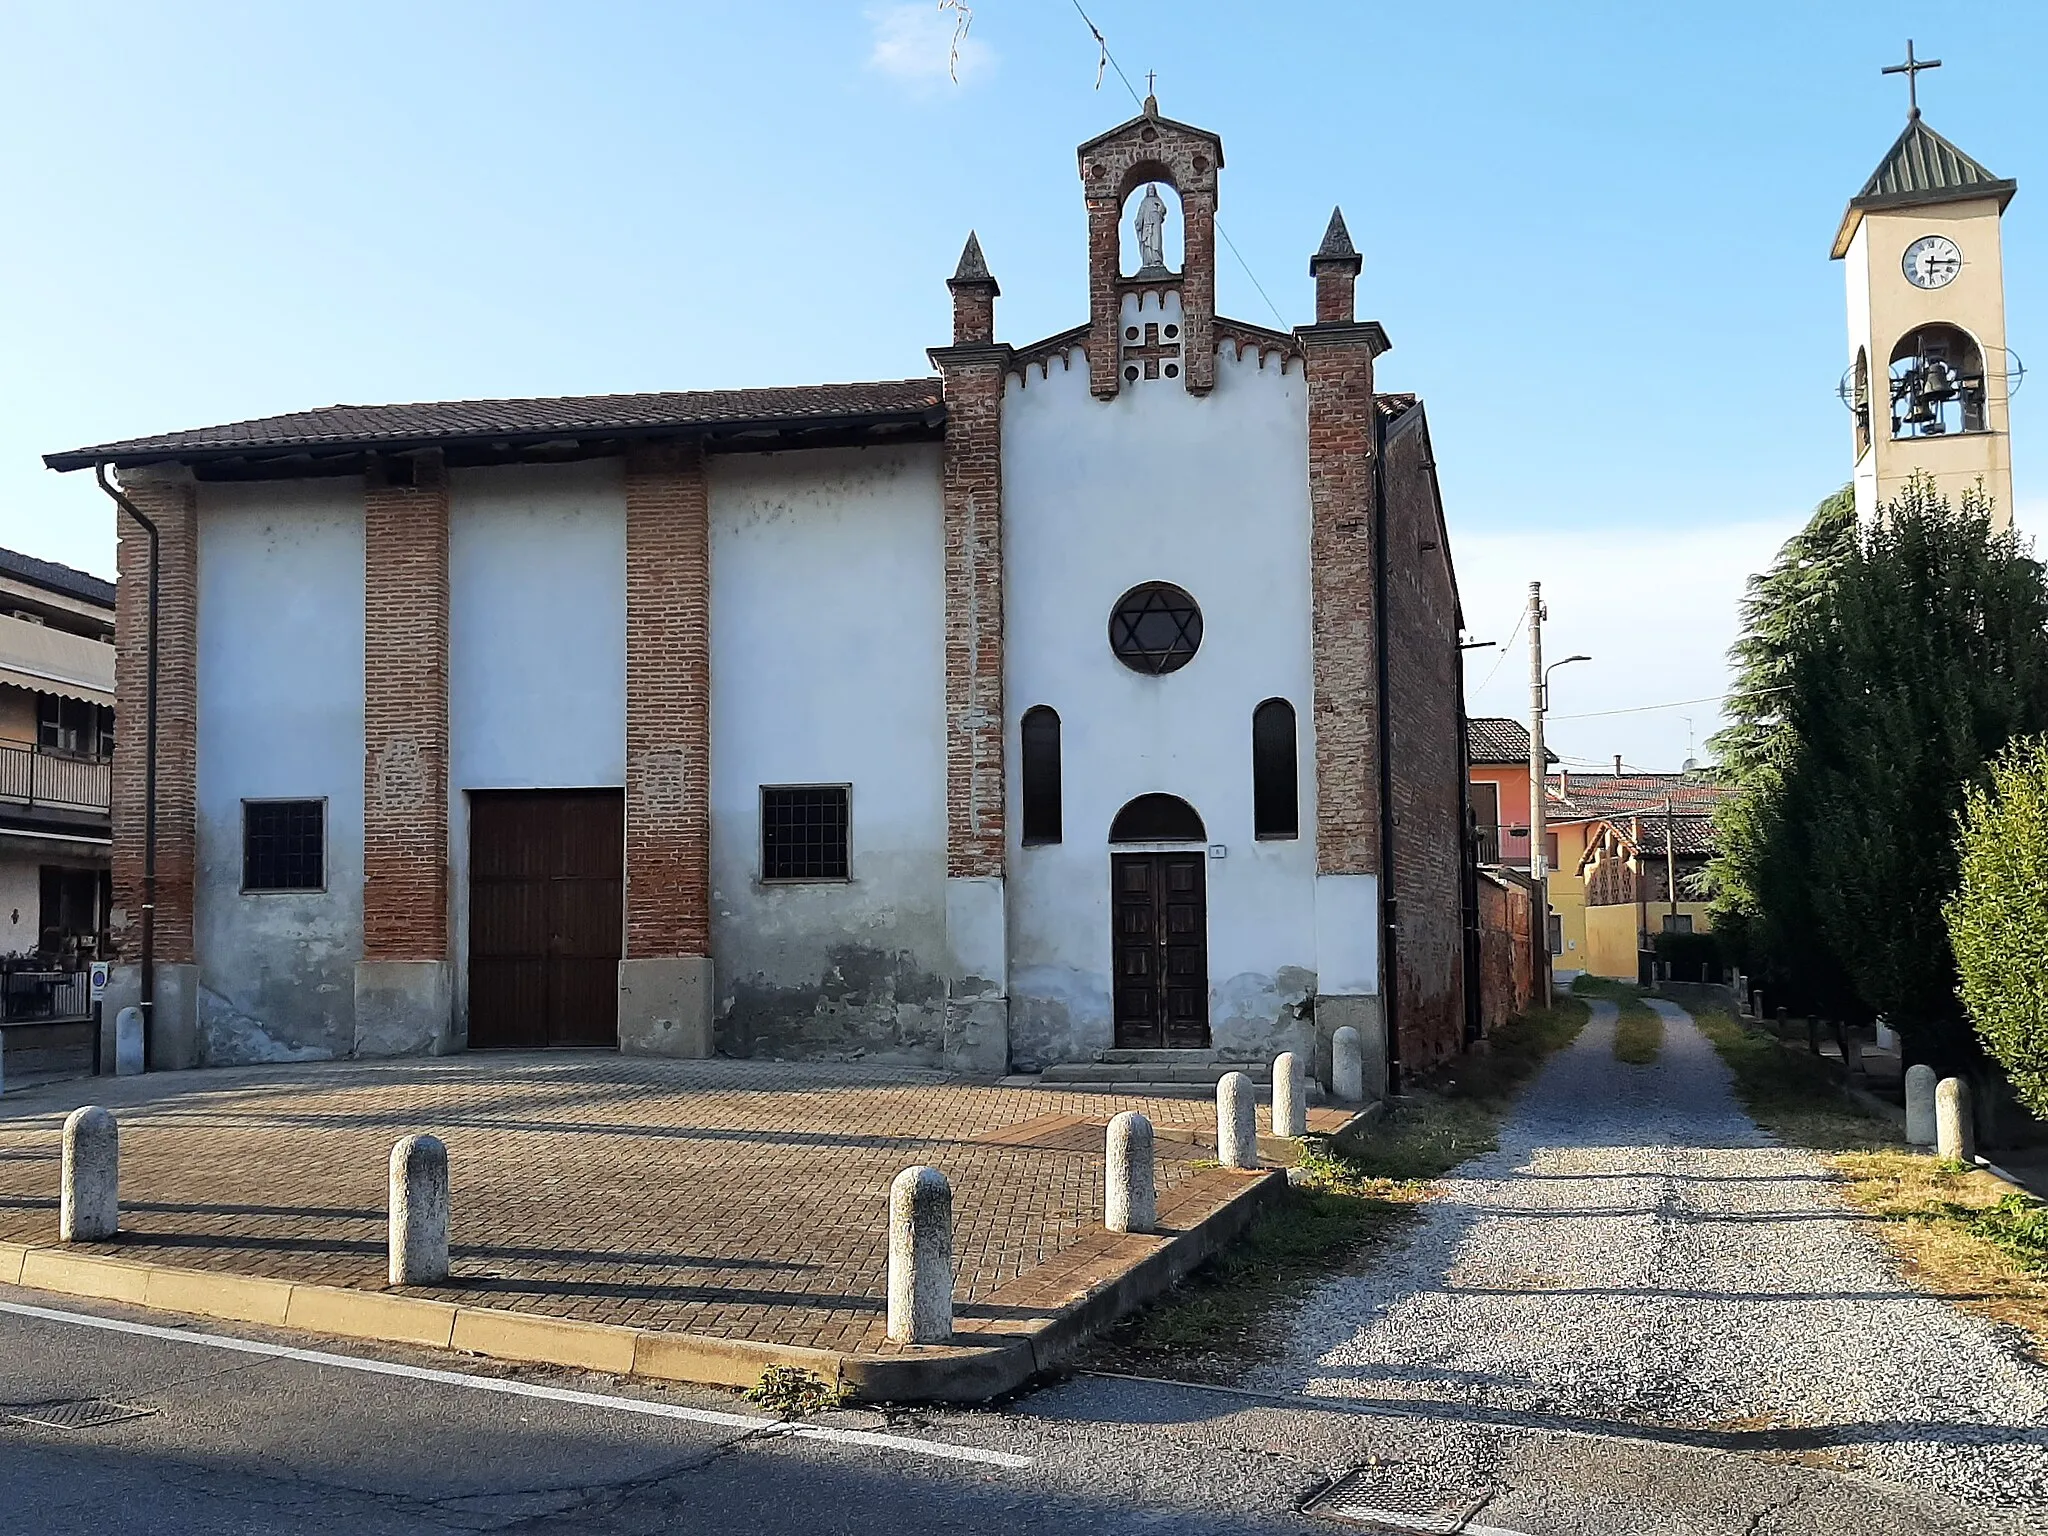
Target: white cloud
point(1656, 610)
point(923, 45)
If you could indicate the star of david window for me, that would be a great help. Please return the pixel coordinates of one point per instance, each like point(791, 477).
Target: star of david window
point(1155, 628)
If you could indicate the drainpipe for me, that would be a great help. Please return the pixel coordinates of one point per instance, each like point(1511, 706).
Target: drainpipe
point(1390, 911)
point(148, 998)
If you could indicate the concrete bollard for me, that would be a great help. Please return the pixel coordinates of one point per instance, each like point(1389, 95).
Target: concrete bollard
point(1920, 1081)
point(920, 1257)
point(128, 1060)
point(419, 1211)
point(1347, 1066)
point(1955, 1137)
point(1290, 1095)
point(1237, 1122)
point(1852, 1055)
point(1130, 1194)
point(1812, 1035)
point(1756, 1005)
point(90, 1208)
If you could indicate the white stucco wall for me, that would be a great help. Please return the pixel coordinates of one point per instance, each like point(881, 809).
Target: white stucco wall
point(536, 645)
point(21, 903)
point(1210, 494)
point(827, 667)
point(280, 716)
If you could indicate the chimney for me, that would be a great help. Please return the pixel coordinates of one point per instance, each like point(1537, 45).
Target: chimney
point(974, 298)
point(1617, 765)
point(1335, 267)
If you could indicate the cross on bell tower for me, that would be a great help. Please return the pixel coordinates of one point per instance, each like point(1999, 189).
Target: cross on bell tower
point(1911, 70)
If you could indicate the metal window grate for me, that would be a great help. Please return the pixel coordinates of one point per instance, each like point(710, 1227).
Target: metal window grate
point(284, 845)
point(803, 833)
point(1155, 628)
point(1394, 1498)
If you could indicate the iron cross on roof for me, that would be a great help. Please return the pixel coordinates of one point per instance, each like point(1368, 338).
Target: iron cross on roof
point(1911, 70)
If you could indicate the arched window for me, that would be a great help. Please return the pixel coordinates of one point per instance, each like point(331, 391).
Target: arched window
point(1040, 743)
point(1276, 808)
point(1157, 819)
point(1937, 383)
point(1861, 402)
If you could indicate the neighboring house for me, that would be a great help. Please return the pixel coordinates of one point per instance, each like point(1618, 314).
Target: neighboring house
point(1616, 892)
point(1578, 805)
point(989, 720)
point(56, 741)
point(1497, 764)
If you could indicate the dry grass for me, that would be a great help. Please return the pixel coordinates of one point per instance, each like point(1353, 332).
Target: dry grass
point(1639, 1028)
point(1218, 1321)
point(1957, 1233)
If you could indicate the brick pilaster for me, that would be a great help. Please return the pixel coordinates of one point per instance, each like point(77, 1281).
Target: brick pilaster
point(1343, 624)
point(405, 711)
point(668, 702)
point(168, 499)
point(973, 490)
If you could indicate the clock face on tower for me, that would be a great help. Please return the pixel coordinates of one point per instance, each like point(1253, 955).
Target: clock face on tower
point(1932, 261)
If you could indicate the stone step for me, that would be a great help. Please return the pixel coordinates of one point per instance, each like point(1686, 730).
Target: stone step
point(1262, 1091)
point(1184, 1056)
point(1151, 1072)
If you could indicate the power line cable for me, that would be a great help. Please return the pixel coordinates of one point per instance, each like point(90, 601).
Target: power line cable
point(1505, 647)
point(1109, 58)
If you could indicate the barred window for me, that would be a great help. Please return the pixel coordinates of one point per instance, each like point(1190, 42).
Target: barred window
point(803, 832)
point(284, 845)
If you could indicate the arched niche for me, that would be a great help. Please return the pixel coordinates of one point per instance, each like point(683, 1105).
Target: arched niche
point(1173, 230)
point(1157, 818)
point(1937, 382)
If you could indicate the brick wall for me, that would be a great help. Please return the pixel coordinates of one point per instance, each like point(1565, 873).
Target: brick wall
point(1509, 977)
point(1342, 621)
point(405, 711)
point(168, 501)
point(668, 702)
point(974, 608)
point(1427, 766)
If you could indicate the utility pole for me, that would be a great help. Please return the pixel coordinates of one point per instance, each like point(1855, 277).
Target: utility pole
point(1538, 873)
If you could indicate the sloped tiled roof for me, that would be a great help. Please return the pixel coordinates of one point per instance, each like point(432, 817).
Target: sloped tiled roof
point(1494, 739)
point(1921, 167)
point(1592, 796)
point(339, 428)
point(57, 578)
point(1692, 836)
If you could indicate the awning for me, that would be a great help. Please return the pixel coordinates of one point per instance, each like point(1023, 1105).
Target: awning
point(47, 660)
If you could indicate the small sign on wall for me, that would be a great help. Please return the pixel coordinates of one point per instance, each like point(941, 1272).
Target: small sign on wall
point(99, 979)
point(1218, 851)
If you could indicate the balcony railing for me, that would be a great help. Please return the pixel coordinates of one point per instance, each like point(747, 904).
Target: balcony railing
point(45, 996)
point(32, 777)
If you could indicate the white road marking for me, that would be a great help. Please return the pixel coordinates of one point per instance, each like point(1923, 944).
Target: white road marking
point(936, 1449)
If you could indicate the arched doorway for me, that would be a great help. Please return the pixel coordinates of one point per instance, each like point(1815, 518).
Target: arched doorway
point(1159, 924)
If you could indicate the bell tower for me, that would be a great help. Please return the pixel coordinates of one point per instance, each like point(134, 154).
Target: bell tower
point(1929, 373)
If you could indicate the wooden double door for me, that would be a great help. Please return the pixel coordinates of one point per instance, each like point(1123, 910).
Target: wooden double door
point(1160, 948)
point(546, 917)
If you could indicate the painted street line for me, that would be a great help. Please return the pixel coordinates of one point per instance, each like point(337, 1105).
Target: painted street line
point(778, 1428)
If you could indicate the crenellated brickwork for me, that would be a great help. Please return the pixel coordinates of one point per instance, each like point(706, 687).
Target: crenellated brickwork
point(167, 498)
point(405, 710)
point(668, 702)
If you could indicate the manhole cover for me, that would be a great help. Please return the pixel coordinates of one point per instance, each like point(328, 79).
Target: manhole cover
point(87, 1413)
point(1396, 1498)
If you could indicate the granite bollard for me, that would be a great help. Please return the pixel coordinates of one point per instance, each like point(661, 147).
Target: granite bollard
point(1955, 1137)
point(1290, 1095)
point(128, 1060)
point(1130, 1195)
point(1347, 1066)
point(419, 1211)
point(920, 1257)
point(1920, 1081)
point(89, 1209)
point(1237, 1122)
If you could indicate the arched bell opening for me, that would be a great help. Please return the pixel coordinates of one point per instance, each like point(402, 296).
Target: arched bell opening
point(1157, 819)
point(1937, 383)
point(1859, 386)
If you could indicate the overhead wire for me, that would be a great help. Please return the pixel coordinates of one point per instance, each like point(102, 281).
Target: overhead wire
point(1106, 57)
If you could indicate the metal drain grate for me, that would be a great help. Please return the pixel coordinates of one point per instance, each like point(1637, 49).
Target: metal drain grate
point(84, 1413)
point(1396, 1498)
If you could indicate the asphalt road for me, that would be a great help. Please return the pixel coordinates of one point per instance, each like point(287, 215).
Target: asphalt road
point(312, 1436)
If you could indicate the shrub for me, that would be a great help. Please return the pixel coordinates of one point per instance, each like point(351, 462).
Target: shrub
point(1998, 916)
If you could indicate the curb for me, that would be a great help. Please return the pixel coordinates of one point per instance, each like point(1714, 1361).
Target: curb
point(1082, 1290)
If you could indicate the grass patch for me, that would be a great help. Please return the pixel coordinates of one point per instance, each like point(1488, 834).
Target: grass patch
point(1343, 1209)
point(794, 1392)
point(1958, 1233)
point(1639, 1029)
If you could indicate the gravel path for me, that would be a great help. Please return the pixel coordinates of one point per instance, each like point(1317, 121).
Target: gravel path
point(1638, 1253)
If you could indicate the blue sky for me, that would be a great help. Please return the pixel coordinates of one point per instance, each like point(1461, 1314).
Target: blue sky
point(1597, 234)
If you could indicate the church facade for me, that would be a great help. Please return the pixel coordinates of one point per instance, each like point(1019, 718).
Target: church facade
point(1096, 694)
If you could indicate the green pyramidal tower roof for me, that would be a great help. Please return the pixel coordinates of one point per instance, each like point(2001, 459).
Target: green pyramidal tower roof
point(1921, 168)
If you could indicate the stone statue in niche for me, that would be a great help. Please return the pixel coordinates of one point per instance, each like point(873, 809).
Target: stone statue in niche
point(1151, 227)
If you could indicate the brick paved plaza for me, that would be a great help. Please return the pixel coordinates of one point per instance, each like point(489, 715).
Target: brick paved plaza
point(745, 1200)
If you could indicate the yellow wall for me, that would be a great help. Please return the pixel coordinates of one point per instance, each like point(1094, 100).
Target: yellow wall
point(1568, 892)
point(1883, 307)
point(1612, 934)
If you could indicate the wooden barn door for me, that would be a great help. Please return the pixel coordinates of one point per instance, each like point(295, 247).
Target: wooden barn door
point(1159, 917)
point(546, 917)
